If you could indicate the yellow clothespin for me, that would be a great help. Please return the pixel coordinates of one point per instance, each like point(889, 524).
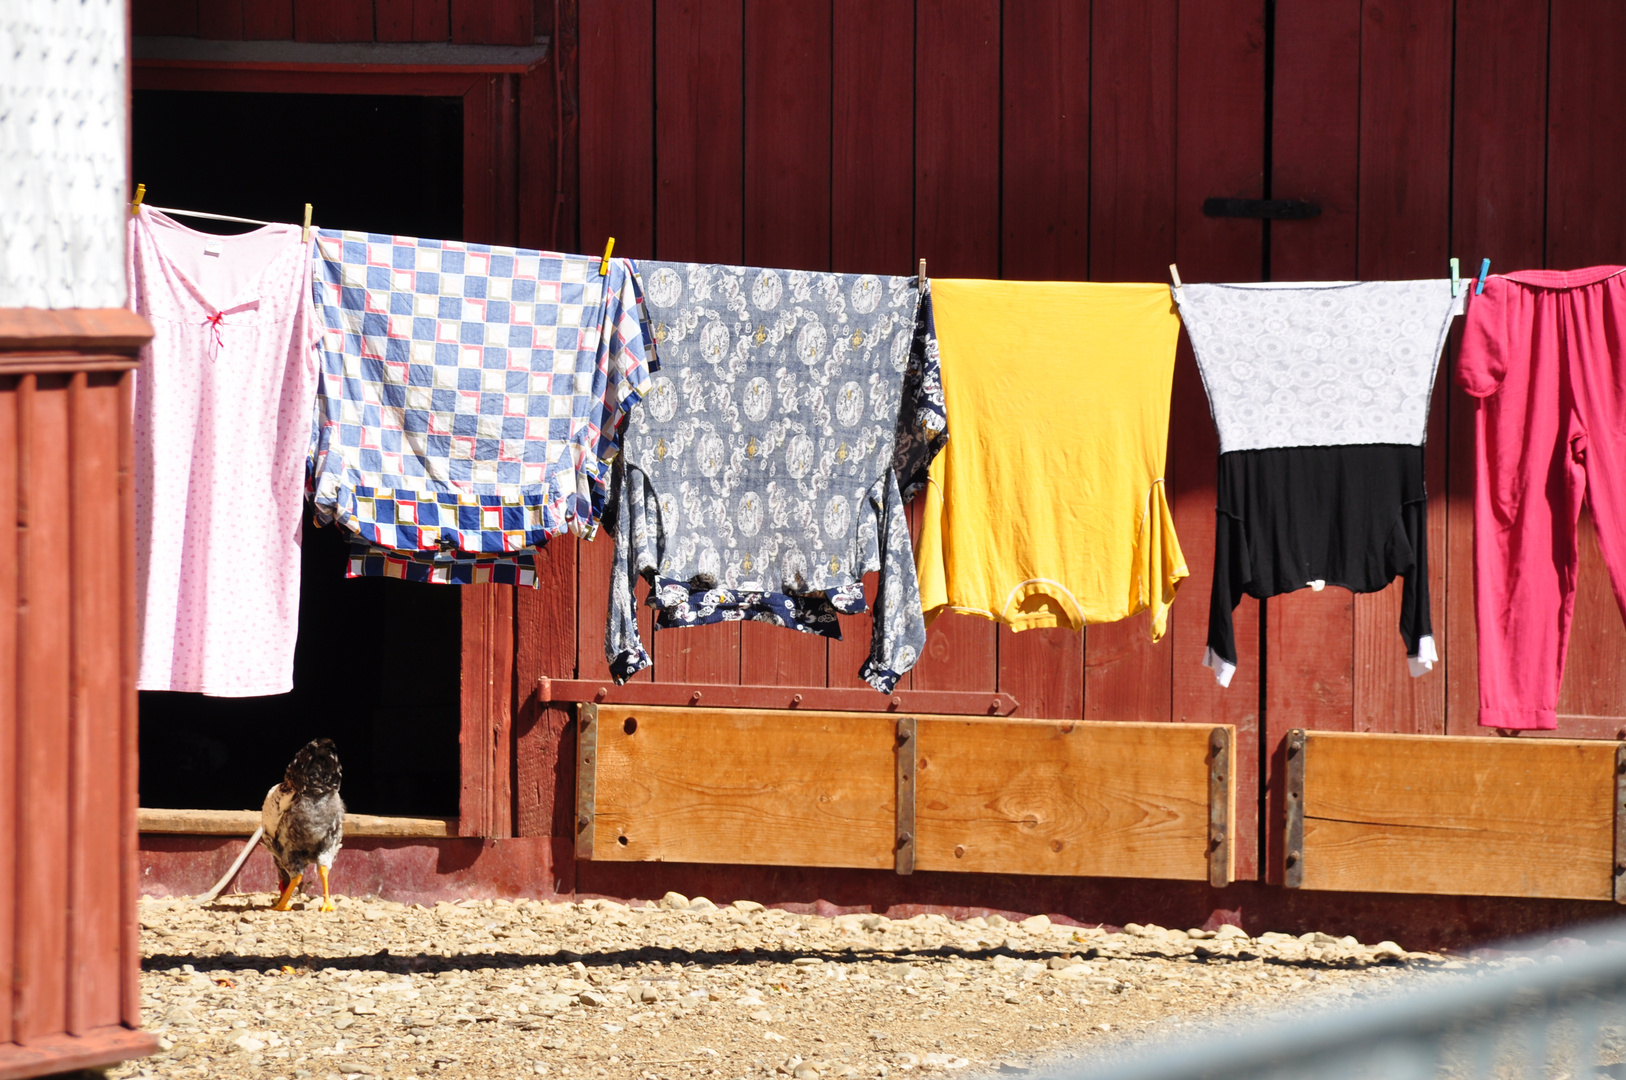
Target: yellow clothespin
point(135, 203)
point(604, 263)
point(1174, 273)
point(305, 234)
point(923, 273)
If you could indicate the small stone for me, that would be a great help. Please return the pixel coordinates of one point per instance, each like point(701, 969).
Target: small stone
point(875, 922)
point(805, 1072)
point(700, 903)
point(343, 1022)
point(747, 906)
point(790, 1064)
point(1228, 932)
point(773, 1036)
point(905, 1061)
point(675, 901)
point(362, 1008)
point(1388, 950)
point(762, 1016)
point(1035, 924)
point(649, 994)
point(591, 998)
point(807, 961)
point(944, 1061)
point(1103, 1027)
point(249, 1043)
point(1199, 935)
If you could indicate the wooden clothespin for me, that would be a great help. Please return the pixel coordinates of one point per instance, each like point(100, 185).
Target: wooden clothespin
point(305, 234)
point(1484, 272)
point(1456, 277)
point(135, 203)
point(1174, 274)
point(922, 273)
point(604, 263)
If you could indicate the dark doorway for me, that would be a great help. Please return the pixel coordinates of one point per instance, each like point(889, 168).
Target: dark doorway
point(377, 667)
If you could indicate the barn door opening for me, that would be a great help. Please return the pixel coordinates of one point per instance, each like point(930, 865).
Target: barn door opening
point(377, 667)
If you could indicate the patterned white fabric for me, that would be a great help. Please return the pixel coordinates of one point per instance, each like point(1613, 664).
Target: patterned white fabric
point(1318, 364)
point(62, 200)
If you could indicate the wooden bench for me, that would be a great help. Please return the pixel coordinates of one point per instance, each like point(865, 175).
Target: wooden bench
point(879, 791)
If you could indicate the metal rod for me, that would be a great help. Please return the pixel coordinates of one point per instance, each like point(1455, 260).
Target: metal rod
point(215, 217)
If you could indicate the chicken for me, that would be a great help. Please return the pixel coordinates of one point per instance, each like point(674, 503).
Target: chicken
point(303, 819)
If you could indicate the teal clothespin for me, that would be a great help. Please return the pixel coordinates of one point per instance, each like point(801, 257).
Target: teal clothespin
point(1456, 277)
point(1484, 272)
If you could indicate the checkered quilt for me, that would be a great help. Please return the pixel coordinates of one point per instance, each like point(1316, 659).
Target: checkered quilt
point(471, 396)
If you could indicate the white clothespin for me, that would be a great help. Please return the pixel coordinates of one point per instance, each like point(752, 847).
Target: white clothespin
point(922, 273)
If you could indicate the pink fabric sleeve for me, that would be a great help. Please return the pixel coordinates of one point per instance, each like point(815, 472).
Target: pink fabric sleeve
point(1481, 364)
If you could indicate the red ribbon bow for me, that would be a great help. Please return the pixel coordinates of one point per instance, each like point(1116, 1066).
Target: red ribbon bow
point(214, 321)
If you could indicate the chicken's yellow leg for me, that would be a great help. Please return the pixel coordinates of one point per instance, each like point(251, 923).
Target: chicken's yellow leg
point(327, 901)
point(287, 893)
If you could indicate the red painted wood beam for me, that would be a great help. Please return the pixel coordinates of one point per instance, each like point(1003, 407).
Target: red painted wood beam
point(817, 698)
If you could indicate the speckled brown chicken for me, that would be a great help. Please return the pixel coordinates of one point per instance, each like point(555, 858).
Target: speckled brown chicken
point(303, 818)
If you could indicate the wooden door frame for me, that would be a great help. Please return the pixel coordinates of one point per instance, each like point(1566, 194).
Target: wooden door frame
point(492, 162)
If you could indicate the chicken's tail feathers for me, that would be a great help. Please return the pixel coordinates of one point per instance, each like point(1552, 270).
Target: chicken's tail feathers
point(242, 857)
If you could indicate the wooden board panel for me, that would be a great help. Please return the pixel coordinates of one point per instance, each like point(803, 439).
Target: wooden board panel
point(333, 20)
point(95, 750)
point(166, 17)
point(44, 640)
point(545, 647)
point(221, 20)
point(783, 789)
point(1499, 173)
point(1220, 152)
point(242, 823)
point(1315, 140)
point(1081, 799)
point(11, 619)
point(129, 713)
point(957, 114)
point(412, 20)
point(872, 137)
point(492, 22)
point(1403, 222)
point(617, 126)
point(484, 800)
point(1132, 238)
point(1045, 209)
point(1459, 816)
point(699, 213)
point(786, 224)
point(1586, 225)
point(266, 20)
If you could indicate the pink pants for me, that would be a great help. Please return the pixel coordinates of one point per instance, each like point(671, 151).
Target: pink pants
point(1545, 350)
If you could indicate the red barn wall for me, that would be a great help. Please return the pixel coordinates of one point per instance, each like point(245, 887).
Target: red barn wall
point(1044, 139)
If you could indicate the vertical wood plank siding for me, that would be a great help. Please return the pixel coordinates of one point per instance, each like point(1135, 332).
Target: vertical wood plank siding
point(69, 954)
point(1034, 140)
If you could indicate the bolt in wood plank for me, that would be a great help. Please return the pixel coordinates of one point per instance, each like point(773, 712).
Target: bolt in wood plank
point(43, 683)
point(586, 779)
point(736, 786)
point(1293, 874)
point(1063, 798)
point(1459, 816)
point(907, 751)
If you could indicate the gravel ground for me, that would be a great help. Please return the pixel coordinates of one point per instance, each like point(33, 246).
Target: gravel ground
point(681, 989)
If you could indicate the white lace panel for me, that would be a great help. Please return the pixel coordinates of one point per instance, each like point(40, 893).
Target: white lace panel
point(1318, 364)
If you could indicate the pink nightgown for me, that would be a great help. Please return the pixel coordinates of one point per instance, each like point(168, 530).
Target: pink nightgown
point(223, 406)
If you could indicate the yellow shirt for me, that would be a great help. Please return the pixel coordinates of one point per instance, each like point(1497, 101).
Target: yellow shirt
point(1046, 507)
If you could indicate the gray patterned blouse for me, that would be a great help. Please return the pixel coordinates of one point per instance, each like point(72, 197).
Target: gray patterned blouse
point(766, 469)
